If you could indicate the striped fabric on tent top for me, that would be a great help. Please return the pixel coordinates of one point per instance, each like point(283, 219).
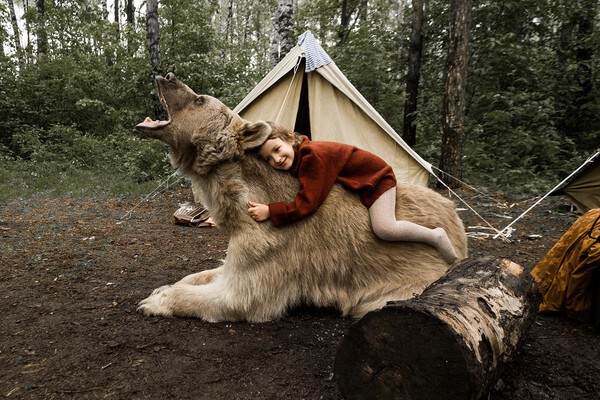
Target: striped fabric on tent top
point(313, 52)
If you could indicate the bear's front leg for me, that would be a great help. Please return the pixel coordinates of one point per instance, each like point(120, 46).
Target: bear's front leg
point(218, 301)
point(201, 278)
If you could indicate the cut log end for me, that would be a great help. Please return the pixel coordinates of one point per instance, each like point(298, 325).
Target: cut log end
point(450, 342)
point(377, 362)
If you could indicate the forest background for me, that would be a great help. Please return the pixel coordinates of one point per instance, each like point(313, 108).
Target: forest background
point(77, 75)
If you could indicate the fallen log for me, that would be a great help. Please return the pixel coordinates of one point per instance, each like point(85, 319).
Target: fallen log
point(450, 342)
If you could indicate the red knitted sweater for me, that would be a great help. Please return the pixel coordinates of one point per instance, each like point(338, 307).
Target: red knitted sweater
point(318, 165)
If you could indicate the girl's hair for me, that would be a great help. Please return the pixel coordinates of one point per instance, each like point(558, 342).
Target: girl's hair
point(281, 132)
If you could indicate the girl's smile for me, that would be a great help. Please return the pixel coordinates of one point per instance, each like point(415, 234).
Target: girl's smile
point(278, 153)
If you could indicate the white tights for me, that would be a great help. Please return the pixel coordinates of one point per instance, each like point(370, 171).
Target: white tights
point(386, 227)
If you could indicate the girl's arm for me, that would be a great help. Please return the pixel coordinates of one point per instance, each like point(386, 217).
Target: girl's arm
point(316, 177)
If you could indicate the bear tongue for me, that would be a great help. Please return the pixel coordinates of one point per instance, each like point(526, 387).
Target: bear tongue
point(150, 123)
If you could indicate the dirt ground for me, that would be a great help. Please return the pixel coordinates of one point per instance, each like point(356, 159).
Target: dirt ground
point(72, 272)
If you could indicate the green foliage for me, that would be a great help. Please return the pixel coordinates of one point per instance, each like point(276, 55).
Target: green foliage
point(515, 137)
point(379, 82)
point(67, 117)
point(69, 162)
point(24, 179)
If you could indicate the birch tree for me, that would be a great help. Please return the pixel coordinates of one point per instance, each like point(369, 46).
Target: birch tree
point(282, 39)
point(153, 36)
point(42, 36)
point(16, 31)
point(130, 12)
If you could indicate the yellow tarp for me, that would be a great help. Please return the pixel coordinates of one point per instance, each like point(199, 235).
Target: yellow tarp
point(564, 275)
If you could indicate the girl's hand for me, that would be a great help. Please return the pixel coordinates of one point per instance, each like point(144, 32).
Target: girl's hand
point(258, 212)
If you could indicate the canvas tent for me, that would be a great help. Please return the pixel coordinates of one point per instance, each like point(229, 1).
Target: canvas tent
point(308, 93)
point(583, 186)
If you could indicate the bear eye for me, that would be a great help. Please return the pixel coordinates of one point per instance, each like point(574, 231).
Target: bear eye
point(200, 100)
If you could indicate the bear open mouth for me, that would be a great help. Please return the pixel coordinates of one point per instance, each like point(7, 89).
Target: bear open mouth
point(149, 123)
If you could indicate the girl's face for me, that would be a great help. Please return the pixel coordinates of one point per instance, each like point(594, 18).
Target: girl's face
point(278, 153)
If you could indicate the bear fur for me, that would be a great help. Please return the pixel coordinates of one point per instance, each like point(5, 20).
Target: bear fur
point(330, 259)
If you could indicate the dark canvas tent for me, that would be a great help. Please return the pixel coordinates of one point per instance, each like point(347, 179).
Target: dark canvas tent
point(583, 186)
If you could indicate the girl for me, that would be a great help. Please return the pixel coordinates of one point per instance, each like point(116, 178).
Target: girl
point(318, 165)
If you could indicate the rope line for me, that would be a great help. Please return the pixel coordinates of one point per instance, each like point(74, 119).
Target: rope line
point(154, 192)
point(465, 184)
point(462, 200)
point(547, 194)
point(288, 90)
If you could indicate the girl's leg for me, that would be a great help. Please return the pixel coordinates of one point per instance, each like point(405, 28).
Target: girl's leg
point(386, 227)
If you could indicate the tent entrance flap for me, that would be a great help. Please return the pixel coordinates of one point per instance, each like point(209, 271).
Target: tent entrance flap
point(302, 124)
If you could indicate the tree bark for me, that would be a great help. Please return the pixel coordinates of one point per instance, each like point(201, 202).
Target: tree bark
point(454, 106)
point(584, 114)
point(415, 50)
point(153, 36)
point(344, 21)
point(130, 12)
point(225, 27)
point(348, 8)
point(16, 32)
point(42, 37)
point(104, 8)
point(450, 342)
point(283, 22)
point(117, 19)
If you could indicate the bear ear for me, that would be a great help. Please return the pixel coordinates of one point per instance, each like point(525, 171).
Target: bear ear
point(254, 134)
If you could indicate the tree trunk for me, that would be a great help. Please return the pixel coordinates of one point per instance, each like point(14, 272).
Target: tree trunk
point(42, 37)
point(348, 8)
point(450, 342)
point(153, 35)
point(453, 122)
point(344, 20)
point(283, 22)
point(413, 74)
point(104, 8)
point(16, 31)
point(584, 115)
point(117, 19)
point(225, 26)
point(130, 12)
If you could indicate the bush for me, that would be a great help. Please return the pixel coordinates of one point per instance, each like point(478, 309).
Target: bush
point(63, 161)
